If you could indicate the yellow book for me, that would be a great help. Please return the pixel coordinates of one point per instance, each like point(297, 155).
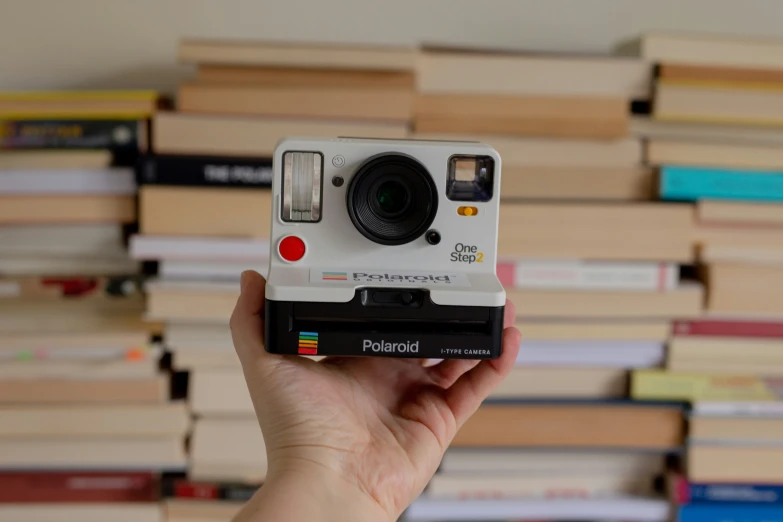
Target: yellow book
point(56, 105)
point(663, 385)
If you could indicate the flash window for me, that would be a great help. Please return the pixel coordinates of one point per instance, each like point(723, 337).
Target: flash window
point(470, 178)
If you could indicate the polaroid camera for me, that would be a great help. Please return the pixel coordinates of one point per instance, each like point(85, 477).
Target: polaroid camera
point(384, 248)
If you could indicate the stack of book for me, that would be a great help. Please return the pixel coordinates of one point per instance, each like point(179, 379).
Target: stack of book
point(592, 265)
point(205, 212)
point(716, 136)
point(86, 425)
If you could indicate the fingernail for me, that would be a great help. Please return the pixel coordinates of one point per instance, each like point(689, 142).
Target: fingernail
point(243, 279)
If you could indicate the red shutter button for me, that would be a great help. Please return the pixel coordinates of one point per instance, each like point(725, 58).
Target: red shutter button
point(291, 248)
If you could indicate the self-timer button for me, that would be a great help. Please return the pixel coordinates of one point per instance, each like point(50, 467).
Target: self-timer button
point(291, 248)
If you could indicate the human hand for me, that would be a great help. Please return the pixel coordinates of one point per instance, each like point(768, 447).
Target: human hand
point(362, 436)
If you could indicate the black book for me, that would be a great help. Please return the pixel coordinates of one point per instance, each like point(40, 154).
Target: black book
point(204, 171)
point(73, 134)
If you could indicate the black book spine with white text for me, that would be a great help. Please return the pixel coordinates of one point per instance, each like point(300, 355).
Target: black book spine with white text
point(204, 171)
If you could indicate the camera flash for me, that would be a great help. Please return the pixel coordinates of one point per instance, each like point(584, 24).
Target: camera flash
point(302, 186)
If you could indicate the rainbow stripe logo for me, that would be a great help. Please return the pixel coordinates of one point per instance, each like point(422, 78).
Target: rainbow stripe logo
point(334, 276)
point(308, 343)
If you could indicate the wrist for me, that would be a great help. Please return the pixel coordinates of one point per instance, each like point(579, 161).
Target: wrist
point(310, 493)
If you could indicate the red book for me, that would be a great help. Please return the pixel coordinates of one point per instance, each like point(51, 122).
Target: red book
point(74, 486)
point(729, 328)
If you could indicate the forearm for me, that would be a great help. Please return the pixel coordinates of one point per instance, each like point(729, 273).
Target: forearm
point(297, 496)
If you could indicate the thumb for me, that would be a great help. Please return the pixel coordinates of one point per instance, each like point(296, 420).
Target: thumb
point(247, 321)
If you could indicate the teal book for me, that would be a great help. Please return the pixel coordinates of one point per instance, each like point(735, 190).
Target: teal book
point(679, 183)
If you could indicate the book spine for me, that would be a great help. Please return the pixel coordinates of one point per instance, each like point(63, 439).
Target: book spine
point(660, 385)
point(711, 328)
point(183, 489)
point(200, 171)
point(694, 183)
point(595, 276)
point(71, 134)
point(58, 288)
point(712, 512)
point(736, 493)
point(737, 409)
point(21, 487)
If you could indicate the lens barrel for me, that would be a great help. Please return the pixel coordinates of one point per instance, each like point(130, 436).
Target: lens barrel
point(392, 199)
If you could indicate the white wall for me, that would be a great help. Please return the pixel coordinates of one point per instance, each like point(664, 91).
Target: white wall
point(46, 44)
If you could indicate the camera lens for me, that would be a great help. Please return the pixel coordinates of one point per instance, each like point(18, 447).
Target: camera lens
point(392, 199)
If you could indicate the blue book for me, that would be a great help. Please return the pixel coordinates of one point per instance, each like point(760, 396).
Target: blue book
point(730, 513)
point(680, 183)
point(736, 493)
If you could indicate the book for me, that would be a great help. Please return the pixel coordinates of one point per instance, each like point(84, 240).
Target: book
point(591, 329)
point(537, 152)
point(544, 462)
point(713, 154)
point(684, 492)
point(563, 382)
point(211, 302)
point(50, 209)
point(663, 385)
point(89, 391)
point(724, 354)
point(741, 213)
point(391, 105)
point(199, 248)
point(443, 71)
point(737, 409)
point(54, 159)
point(70, 287)
point(64, 240)
point(242, 136)
point(110, 181)
point(63, 105)
point(707, 49)
point(185, 335)
point(685, 301)
point(184, 510)
point(34, 264)
point(51, 345)
point(601, 354)
point(729, 513)
point(205, 171)
point(578, 183)
point(768, 254)
point(727, 463)
point(314, 55)
point(622, 508)
point(226, 449)
point(464, 486)
point(224, 491)
point(73, 134)
point(94, 420)
point(748, 431)
point(202, 211)
point(609, 232)
point(89, 512)
point(717, 103)
point(743, 241)
point(588, 275)
point(564, 425)
point(210, 270)
point(697, 183)
point(731, 134)
point(150, 453)
point(288, 76)
point(736, 75)
point(744, 288)
point(77, 487)
point(543, 116)
point(219, 392)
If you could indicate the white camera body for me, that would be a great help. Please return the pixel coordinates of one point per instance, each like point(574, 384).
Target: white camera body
point(384, 247)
